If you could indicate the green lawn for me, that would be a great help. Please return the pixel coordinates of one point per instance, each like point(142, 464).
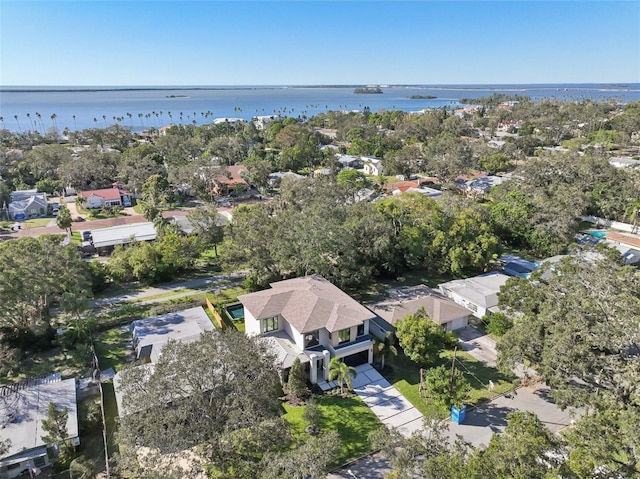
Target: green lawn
point(35, 223)
point(350, 417)
point(69, 363)
point(110, 346)
point(406, 378)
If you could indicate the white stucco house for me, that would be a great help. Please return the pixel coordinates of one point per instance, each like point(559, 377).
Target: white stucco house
point(312, 320)
point(372, 166)
point(23, 407)
point(479, 293)
point(105, 198)
point(409, 300)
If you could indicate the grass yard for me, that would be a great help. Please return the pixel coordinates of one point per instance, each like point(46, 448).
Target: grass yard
point(35, 223)
point(406, 378)
point(350, 417)
point(111, 348)
point(72, 362)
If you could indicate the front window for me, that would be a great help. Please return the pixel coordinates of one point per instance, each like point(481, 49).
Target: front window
point(271, 324)
point(361, 330)
point(344, 335)
point(312, 339)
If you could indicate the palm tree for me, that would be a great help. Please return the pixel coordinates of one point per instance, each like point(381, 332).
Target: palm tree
point(632, 214)
point(386, 347)
point(75, 124)
point(341, 372)
point(16, 118)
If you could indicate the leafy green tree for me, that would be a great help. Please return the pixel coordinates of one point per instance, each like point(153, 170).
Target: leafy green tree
point(498, 323)
point(219, 393)
point(297, 382)
point(55, 429)
point(421, 339)
point(35, 272)
point(577, 326)
point(495, 162)
point(341, 372)
point(312, 414)
point(309, 460)
point(445, 387)
point(527, 449)
point(63, 220)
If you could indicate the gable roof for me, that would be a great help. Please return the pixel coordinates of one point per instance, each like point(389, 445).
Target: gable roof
point(440, 309)
point(307, 304)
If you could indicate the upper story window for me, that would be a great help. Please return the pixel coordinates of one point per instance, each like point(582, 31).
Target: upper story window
point(271, 324)
point(344, 335)
point(360, 330)
point(312, 339)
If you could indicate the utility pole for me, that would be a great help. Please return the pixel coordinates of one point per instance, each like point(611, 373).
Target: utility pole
point(453, 368)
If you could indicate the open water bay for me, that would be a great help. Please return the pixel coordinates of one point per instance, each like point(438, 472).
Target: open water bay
point(24, 108)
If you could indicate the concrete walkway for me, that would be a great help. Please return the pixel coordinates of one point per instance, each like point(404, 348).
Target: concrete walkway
point(385, 401)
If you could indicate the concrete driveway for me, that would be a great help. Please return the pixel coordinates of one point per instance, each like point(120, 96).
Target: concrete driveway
point(478, 344)
point(385, 401)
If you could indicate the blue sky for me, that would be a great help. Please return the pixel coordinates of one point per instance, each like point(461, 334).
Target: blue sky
point(308, 43)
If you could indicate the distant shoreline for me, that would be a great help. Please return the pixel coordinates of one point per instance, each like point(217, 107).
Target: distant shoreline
point(484, 87)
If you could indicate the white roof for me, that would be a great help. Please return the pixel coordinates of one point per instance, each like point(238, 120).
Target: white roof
point(481, 290)
point(23, 406)
point(185, 326)
point(123, 234)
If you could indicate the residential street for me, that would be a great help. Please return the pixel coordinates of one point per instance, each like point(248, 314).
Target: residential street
point(204, 284)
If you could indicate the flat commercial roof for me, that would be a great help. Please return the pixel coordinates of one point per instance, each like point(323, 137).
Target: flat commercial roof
point(23, 406)
point(123, 234)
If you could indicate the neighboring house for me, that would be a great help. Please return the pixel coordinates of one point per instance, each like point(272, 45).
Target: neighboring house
point(105, 198)
point(479, 294)
point(23, 407)
point(227, 184)
point(348, 161)
point(409, 300)
point(423, 190)
point(276, 178)
point(312, 320)
point(628, 255)
point(623, 162)
point(262, 122)
point(518, 267)
point(481, 185)
point(107, 238)
point(27, 204)
point(151, 334)
point(372, 166)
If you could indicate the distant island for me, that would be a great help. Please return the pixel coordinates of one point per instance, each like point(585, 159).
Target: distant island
point(422, 97)
point(367, 90)
point(177, 96)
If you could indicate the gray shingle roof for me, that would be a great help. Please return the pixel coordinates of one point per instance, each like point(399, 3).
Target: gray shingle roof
point(307, 304)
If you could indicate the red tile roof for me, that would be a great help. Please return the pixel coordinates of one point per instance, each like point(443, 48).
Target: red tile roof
point(108, 194)
point(626, 239)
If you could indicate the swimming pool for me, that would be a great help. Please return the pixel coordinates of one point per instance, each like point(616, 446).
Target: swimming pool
point(236, 311)
point(597, 233)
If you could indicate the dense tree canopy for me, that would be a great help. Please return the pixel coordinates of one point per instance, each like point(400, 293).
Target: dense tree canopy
point(219, 393)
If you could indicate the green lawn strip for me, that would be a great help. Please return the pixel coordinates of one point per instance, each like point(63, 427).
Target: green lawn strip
point(350, 417)
point(406, 378)
point(110, 414)
point(110, 346)
point(35, 223)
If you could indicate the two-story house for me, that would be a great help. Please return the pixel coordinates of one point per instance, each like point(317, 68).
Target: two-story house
point(312, 320)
